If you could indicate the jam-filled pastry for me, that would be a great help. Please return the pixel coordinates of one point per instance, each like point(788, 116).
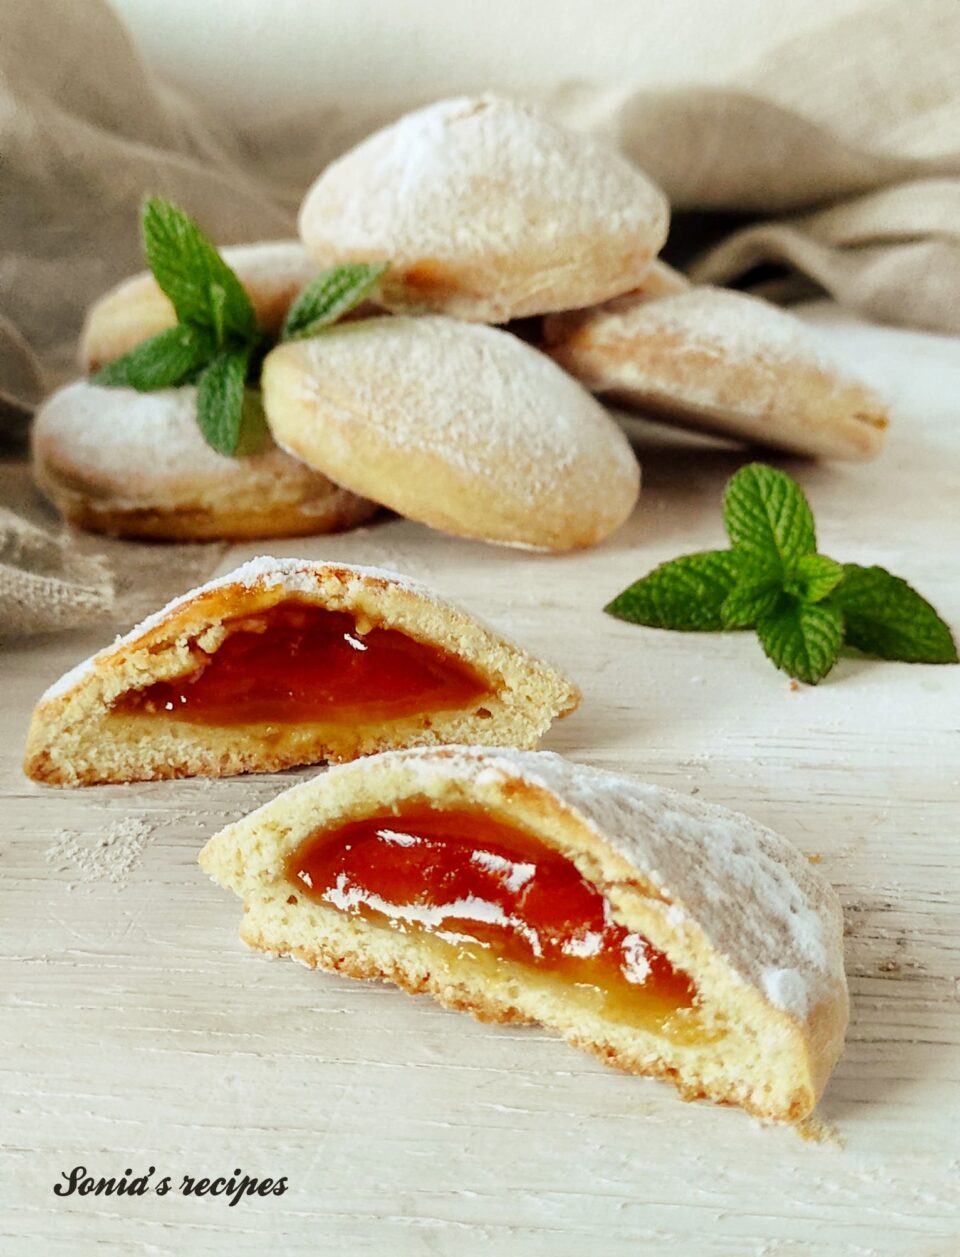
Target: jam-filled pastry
point(724, 362)
point(272, 272)
point(285, 662)
point(459, 426)
point(668, 936)
point(486, 211)
point(132, 464)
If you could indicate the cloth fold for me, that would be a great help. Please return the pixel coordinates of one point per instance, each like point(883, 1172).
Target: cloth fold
point(45, 584)
point(839, 155)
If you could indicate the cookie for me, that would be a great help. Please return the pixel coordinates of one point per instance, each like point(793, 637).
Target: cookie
point(487, 211)
point(723, 362)
point(132, 464)
point(459, 426)
point(285, 662)
point(668, 936)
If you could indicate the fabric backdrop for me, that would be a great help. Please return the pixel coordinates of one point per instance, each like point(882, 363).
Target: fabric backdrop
point(836, 162)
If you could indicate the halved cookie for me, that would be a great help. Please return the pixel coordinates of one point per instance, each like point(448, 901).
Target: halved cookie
point(132, 464)
point(666, 935)
point(724, 362)
point(459, 426)
point(487, 211)
point(285, 662)
point(272, 272)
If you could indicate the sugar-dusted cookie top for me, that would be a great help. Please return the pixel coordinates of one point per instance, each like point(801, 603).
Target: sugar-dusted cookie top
point(459, 426)
point(487, 211)
point(725, 362)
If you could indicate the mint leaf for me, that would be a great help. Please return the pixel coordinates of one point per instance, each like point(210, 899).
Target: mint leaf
point(254, 433)
point(887, 618)
point(767, 516)
point(685, 594)
point(747, 603)
point(803, 640)
point(171, 357)
point(331, 295)
point(220, 396)
point(812, 577)
point(203, 289)
point(803, 605)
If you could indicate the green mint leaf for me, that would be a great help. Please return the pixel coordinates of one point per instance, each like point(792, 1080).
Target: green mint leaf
point(803, 639)
point(203, 289)
point(887, 618)
point(685, 594)
point(218, 313)
point(169, 358)
point(220, 397)
point(748, 602)
point(812, 577)
point(767, 516)
point(334, 293)
point(254, 433)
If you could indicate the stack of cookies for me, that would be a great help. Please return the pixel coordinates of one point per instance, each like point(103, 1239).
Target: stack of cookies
point(485, 213)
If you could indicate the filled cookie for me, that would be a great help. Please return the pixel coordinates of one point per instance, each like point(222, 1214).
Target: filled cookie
point(487, 211)
point(287, 662)
point(724, 362)
point(668, 936)
point(132, 464)
point(272, 272)
point(459, 426)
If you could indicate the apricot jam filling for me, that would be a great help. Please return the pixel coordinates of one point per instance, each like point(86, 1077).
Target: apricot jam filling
point(299, 663)
point(486, 886)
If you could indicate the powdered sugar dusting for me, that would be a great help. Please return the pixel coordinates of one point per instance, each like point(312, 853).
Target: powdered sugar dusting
point(757, 899)
point(276, 264)
point(733, 326)
point(475, 177)
point(476, 397)
point(146, 448)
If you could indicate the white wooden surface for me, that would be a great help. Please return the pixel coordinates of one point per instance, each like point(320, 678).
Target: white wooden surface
point(137, 1031)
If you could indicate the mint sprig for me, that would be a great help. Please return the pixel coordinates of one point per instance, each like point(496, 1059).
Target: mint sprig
point(803, 606)
point(217, 343)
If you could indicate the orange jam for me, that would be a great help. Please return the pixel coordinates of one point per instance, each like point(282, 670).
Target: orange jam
point(477, 881)
point(296, 662)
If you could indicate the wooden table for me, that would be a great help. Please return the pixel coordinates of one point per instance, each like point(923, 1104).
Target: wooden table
point(137, 1031)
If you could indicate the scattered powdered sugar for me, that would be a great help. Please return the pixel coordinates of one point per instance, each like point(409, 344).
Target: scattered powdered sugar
point(474, 396)
point(109, 855)
point(758, 901)
point(475, 177)
point(146, 447)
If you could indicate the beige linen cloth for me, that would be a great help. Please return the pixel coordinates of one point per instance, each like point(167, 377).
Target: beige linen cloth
point(837, 160)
